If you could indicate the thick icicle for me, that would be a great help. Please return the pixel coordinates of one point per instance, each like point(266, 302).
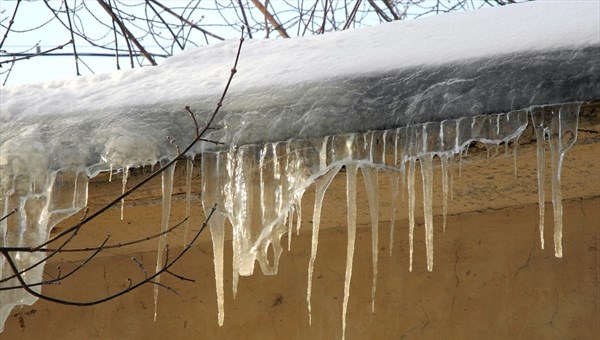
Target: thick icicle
point(351, 170)
point(238, 197)
point(211, 198)
point(321, 187)
point(167, 190)
point(370, 176)
point(426, 162)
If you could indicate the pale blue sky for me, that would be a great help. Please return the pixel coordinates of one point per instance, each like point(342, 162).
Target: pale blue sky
point(32, 14)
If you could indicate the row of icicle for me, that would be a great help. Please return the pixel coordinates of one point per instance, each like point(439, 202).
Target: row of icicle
point(258, 189)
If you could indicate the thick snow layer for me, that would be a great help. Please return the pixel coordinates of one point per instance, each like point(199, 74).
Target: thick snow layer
point(428, 86)
point(449, 66)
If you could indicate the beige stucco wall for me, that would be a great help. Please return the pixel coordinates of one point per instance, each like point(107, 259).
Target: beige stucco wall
point(490, 277)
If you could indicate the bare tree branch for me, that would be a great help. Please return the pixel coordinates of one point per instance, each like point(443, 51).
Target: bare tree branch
point(72, 38)
point(276, 25)
point(168, 10)
point(126, 32)
point(10, 23)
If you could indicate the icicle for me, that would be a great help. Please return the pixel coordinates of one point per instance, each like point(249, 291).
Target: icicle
point(74, 196)
point(290, 224)
point(396, 136)
point(293, 171)
point(451, 182)
point(393, 176)
point(240, 165)
point(110, 172)
point(282, 204)
point(211, 197)
point(188, 198)
point(125, 175)
point(460, 156)
point(383, 154)
point(299, 214)
point(321, 187)
point(370, 176)
point(167, 189)
point(538, 126)
point(563, 134)
point(515, 147)
point(411, 208)
point(400, 159)
point(426, 162)
point(262, 180)
point(445, 169)
point(351, 170)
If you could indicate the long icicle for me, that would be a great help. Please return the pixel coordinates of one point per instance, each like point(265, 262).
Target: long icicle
point(411, 209)
point(321, 187)
point(426, 162)
point(563, 136)
point(538, 126)
point(211, 197)
point(393, 176)
point(445, 184)
point(351, 170)
point(167, 190)
point(188, 198)
point(370, 176)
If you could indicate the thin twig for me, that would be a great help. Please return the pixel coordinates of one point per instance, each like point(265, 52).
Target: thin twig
point(167, 9)
point(165, 23)
point(352, 15)
point(59, 278)
point(10, 23)
point(72, 38)
point(14, 211)
point(322, 29)
point(245, 18)
point(44, 260)
point(29, 56)
point(129, 288)
point(389, 5)
point(114, 30)
point(379, 11)
point(126, 32)
point(119, 245)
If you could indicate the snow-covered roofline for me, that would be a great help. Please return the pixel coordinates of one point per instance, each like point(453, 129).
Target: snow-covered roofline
point(459, 64)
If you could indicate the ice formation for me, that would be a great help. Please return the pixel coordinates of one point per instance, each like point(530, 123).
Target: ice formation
point(394, 99)
point(244, 195)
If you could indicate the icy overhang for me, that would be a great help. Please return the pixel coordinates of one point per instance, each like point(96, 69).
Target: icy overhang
point(449, 66)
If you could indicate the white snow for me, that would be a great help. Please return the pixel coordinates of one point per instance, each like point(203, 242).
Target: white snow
point(308, 101)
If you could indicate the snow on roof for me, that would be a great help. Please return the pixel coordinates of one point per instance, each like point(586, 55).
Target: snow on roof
point(451, 65)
